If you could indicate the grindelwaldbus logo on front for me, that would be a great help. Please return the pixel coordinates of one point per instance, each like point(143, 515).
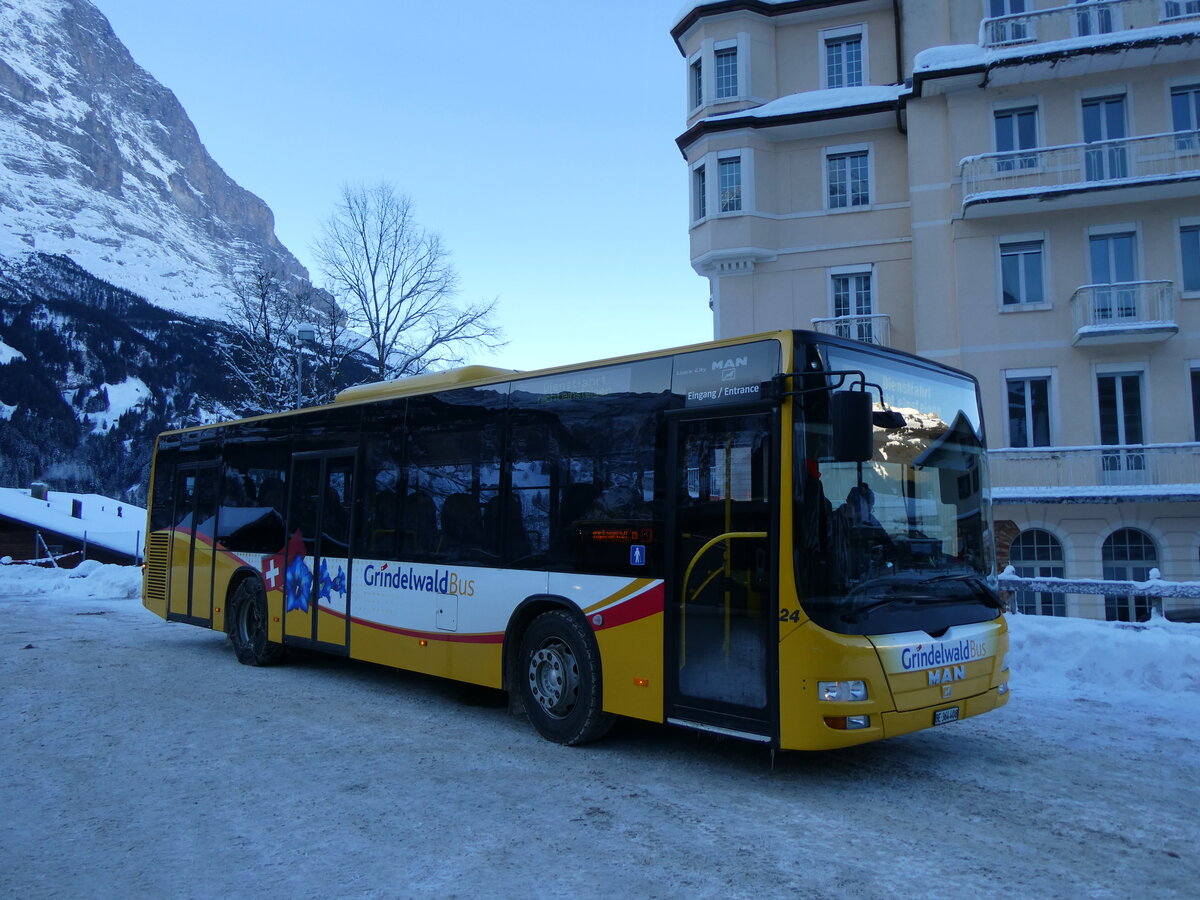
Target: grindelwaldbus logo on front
point(937, 655)
point(438, 581)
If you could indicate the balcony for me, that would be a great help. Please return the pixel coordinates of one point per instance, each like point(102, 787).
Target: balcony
point(1106, 474)
point(868, 329)
point(1124, 313)
point(1145, 168)
point(1081, 20)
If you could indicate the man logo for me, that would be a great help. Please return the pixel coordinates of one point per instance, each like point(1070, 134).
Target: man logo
point(733, 362)
point(945, 691)
point(948, 674)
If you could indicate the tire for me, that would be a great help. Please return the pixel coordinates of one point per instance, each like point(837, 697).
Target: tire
point(558, 670)
point(248, 626)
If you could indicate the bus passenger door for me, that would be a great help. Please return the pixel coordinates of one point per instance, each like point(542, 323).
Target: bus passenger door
point(720, 651)
point(317, 569)
point(193, 551)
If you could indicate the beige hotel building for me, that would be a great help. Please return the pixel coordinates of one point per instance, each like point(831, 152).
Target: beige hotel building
point(1011, 187)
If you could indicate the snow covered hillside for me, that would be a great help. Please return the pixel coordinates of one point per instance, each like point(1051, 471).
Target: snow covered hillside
point(100, 163)
point(144, 761)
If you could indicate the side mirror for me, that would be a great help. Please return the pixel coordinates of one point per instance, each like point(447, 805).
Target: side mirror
point(850, 415)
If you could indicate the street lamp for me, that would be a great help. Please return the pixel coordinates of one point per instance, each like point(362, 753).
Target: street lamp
point(306, 333)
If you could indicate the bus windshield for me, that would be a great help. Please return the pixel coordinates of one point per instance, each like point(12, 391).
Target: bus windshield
point(900, 542)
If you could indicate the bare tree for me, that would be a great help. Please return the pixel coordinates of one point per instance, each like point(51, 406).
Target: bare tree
point(260, 348)
point(398, 284)
point(333, 349)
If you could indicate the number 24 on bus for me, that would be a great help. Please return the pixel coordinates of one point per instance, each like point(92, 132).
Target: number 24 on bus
point(784, 538)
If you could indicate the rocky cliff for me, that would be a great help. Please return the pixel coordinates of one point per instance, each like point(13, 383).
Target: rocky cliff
point(100, 163)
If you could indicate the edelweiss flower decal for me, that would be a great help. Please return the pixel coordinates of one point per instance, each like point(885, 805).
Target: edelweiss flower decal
point(299, 577)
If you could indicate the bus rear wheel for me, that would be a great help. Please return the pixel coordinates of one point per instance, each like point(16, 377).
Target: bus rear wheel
point(558, 668)
point(248, 631)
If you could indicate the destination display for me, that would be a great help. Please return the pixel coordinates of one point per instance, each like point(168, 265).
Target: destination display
point(726, 374)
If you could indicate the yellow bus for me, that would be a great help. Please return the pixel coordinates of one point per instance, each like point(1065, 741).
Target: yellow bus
point(784, 538)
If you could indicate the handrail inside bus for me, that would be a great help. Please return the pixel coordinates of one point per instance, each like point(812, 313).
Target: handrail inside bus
point(687, 576)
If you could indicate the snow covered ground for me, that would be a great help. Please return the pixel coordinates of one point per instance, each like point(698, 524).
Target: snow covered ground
point(142, 761)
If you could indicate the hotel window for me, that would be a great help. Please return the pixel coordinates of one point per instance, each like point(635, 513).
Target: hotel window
point(1185, 114)
point(1016, 129)
point(852, 303)
point(843, 57)
point(1028, 411)
point(699, 193)
point(849, 179)
point(1128, 554)
point(1177, 9)
point(696, 82)
point(1097, 18)
point(1119, 396)
point(1189, 251)
point(725, 64)
point(1022, 279)
point(1007, 32)
point(729, 183)
point(1037, 553)
point(1195, 373)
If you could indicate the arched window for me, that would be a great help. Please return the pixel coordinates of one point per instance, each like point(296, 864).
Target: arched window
point(1128, 554)
point(1036, 553)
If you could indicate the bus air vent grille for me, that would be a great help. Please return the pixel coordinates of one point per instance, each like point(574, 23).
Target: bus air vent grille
point(157, 551)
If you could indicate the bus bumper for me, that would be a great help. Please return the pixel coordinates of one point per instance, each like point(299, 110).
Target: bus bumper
point(897, 723)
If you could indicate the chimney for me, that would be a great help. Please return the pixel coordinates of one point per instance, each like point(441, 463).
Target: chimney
point(76, 509)
point(39, 490)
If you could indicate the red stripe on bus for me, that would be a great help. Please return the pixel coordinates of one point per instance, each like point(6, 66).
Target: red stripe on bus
point(496, 637)
point(640, 606)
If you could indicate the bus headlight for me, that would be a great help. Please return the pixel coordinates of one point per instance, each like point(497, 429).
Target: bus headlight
point(842, 691)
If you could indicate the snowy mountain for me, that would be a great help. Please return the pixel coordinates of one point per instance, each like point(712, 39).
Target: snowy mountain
point(89, 373)
point(100, 163)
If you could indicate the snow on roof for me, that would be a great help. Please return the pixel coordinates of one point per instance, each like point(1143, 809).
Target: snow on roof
point(972, 56)
point(105, 522)
point(817, 101)
point(686, 9)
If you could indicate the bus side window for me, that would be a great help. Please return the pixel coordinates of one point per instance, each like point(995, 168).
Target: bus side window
point(419, 535)
point(380, 505)
point(524, 519)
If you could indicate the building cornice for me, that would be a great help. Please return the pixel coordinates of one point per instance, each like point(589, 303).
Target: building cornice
point(734, 261)
point(747, 119)
point(760, 7)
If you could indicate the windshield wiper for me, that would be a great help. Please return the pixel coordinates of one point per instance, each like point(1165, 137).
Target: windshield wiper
point(854, 615)
point(952, 576)
point(974, 579)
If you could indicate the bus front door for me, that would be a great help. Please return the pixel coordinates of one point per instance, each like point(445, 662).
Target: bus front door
point(719, 626)
point(317, 572)
point(193, 543)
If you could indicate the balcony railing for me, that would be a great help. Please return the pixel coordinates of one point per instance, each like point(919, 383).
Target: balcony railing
point(868, 329)
point(1069, 472)
point(1071, 168)
point(1094, 17)
point(1124, 312)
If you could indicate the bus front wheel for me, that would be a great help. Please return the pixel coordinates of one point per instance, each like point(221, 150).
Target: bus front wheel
point(559, 673)
point(248, 612)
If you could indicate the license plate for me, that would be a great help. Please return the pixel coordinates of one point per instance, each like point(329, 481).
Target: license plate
point(942, 716)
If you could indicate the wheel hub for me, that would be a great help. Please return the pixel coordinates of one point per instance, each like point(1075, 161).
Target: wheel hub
point(554, 678)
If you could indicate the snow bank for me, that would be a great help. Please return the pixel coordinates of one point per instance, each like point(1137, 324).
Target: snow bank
point(1084, 658)
point(89, 580)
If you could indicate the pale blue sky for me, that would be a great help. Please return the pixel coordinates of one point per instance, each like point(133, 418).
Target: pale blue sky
point(537, 137)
